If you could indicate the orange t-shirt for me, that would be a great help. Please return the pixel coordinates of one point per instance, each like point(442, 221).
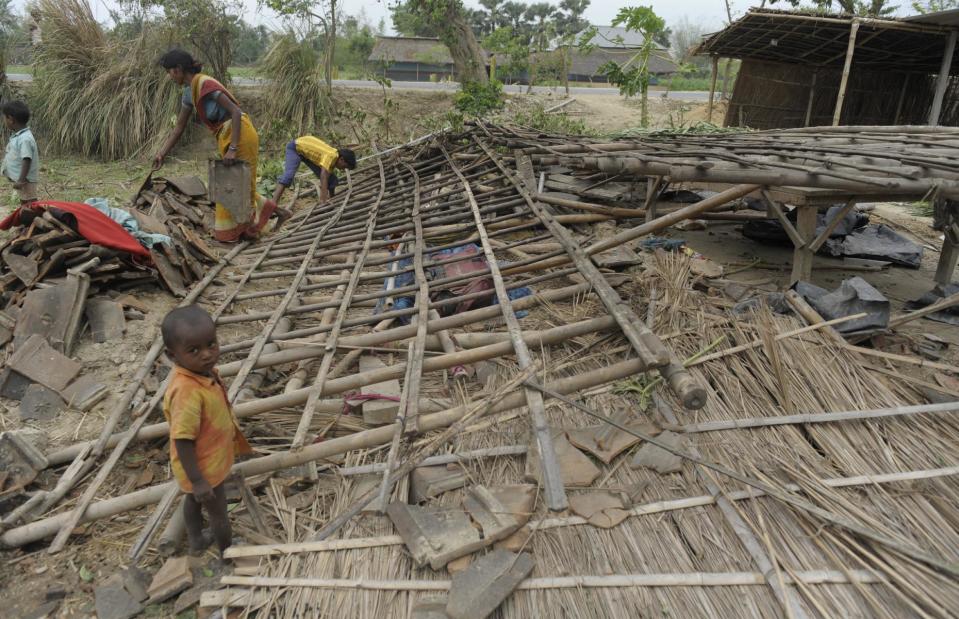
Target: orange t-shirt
point(196, 407)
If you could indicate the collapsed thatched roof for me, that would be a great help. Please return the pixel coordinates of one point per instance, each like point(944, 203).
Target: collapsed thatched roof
point(822, 40)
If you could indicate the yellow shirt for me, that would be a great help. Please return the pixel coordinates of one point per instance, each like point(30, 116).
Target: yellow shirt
point(317, 151)
point(196, 407)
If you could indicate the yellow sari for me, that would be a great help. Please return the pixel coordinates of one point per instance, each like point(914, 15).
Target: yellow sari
point(225, 227)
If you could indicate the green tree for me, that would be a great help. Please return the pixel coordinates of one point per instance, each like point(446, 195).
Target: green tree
point(323, 12)
point(570, 18)
point(864, 8)
point(632, 77)
point(511, 49)
point(250, 43)
point(449, 19)
point(410, 23)
point(934, 6)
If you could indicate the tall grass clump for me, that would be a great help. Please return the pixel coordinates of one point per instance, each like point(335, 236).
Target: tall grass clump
point(299, 99)
point(93, 93)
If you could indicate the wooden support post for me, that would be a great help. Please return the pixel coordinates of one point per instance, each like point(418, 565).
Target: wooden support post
point(943, 80)
point(902, 98)
point(802, 258)
point(712, 89)
point(948, 257)
point(845, 72)
point(812, 97)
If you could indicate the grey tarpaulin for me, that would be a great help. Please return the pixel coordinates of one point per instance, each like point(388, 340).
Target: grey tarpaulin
point(854, 296)
point(949, 316)
point(771, 231)
point(877, 242)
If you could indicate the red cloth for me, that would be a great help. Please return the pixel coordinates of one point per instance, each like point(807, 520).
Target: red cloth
point(92, 225)
point(202, 86)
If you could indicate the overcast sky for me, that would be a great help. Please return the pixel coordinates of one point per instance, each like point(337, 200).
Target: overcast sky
point(709, 13)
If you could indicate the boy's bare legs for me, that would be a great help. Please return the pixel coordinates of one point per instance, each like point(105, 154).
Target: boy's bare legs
point(219, 519)
point(193, 519)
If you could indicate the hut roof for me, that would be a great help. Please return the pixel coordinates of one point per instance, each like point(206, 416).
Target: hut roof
point(412, 49)
point(819, 39)
point(588, 64)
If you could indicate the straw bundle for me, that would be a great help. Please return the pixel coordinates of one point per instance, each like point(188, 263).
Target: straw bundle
point(299, 99)
point(93, 94)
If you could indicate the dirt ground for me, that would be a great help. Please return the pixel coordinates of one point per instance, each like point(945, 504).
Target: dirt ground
point(101, 548)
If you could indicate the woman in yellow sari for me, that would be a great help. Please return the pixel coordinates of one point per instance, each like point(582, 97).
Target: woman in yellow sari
point(236, 139)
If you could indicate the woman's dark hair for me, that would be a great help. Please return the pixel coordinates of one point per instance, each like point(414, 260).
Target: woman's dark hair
point(179, 59)
point(17, 110)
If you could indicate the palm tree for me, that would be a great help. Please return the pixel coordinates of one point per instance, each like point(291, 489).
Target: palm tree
point(539, 13)
point(493, 18)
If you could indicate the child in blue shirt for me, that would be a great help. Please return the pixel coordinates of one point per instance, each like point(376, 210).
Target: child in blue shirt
point(21, 162)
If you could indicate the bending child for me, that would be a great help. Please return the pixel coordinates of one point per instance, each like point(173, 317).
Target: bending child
point(321, 158)
point(204, 435)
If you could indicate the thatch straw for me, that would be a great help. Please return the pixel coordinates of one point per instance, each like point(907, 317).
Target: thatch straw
point(300, 101)
point(93, 94)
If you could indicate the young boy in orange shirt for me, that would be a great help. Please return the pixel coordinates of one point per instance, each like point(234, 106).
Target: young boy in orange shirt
point(204, 435)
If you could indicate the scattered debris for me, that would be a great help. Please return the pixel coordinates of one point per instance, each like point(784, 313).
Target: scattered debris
point(174, 576)
point(477, 591)
point(20, 462)
point(41, 404)
point(602, 509)
point(658, 459)
point(439, 535)
point(427, 482)
point(853, 296)
point(379, 402)
point(576, 468)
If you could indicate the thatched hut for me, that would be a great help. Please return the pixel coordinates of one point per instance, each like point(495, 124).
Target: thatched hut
point(413, 59)
point(805, 69)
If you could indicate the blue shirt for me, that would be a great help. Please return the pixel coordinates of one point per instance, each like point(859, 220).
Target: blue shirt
point(215, 112)
point(20, 146)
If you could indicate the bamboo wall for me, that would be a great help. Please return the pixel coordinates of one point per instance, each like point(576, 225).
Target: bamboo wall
point(770, 95)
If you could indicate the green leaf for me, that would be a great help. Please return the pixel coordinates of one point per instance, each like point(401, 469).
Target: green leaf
point(85, 574)
point(208, 572)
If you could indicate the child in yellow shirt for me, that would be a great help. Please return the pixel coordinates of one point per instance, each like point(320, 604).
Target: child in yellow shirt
point(204, 435)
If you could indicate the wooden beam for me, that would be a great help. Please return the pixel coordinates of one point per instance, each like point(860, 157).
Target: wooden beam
point(812, 96)
point(943, 80)
point(854, 29)
point(712, 88)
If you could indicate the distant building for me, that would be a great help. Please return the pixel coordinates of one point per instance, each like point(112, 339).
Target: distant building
point(613, 44)
point(413, 59)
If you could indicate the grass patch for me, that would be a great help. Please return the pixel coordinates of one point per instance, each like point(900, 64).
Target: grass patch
point(687, 83)
point(248, 73)
point(19, 68)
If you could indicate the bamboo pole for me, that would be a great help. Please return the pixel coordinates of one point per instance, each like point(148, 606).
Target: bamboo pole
point(712, 88)
point(684, 579)
point(355, 381)
point(645, 509)
point(942, 80)
point(763, 422)
point(360, 440)
point(316, 389)
point(812, 97)
point(647, 346)
point(555, 491)
point(844, 81)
